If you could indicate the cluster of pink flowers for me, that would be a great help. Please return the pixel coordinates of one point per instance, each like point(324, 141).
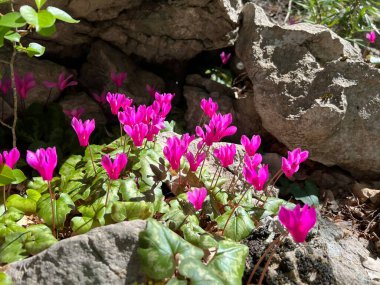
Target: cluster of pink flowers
point(142, 122)
point(175, 148)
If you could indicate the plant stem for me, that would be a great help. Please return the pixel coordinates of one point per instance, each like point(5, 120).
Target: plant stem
point(121, 134)
point(11, 65)
point(108, 192)
point(270, 247)
point(203, 163)
point(92, 158)
point(216, 181)
point(267, 264)
point(4, 197)
point(234, 208)
point(213, 178)
point(48, 98)
point(52, 198)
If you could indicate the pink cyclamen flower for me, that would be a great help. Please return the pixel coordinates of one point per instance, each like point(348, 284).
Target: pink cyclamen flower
point(218, 128)
point(24, 84)
point(118, 78)
point(175, 148)
point(226, 154)
point(62, 83)
point(163, 103)
point(137, 133)
point(209, 107)
point(251, 146)
point(44, 161)
point(194, 162)
point(74, 113)
point(371, 37)
point(10, 157)
point(256, 178)
point(197, 197)
point(292, 164)
point(99, 97)
point(225, 57)
point(151, 90)
point(83, 130)
point(114, 168)
point(118, 101)
point(5, 85)
point(298, 221)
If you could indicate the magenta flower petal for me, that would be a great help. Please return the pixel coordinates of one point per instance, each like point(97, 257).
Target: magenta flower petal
point(12, 157)
point(44, 161)
point(209, 107)
point(83, 130)
point(226, 154)
point(197, 197)
point(298, 221)
point(114, 168)
point(295, 158)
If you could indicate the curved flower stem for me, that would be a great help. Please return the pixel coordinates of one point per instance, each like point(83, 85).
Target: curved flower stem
point(234, 208)
point(217, 179)
point(48, 98)
point(269, 248)
point(121, 134)
point(213, 178)
point(275, 177)
point(92, 159)
point(11, 65)
point(108, 192)
point(4, 197)
point(203, 163)
point(52, 198)
point(267, 263)
point(233, 182)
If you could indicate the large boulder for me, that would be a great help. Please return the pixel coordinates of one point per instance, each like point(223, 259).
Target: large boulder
point(154, 30)
point(105, 255)
point(198, 87)
point(313, 90)
point(104, 59)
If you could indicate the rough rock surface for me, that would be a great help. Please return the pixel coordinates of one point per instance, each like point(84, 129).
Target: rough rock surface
point(331, 256)
point(92, 109)
point(43, 70)
point(105, 255)
point(104, 59)
point(198, 87)
point(154, 30)
point(312, 90)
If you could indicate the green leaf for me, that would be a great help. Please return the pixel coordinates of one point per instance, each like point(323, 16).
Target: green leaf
point(308, 194)
point(3, 31)
point(198, 273)
point(6, 175)
point(81, 225)
point(61, 15)
point(229, 262)
point(5, 279)
point(239, 226)
point(29, 14)
point(198, 236)
point(34, 49)
point(273, 204)
point(45, 20)
point(19, 176)
point(175, 281)
point(69, 168)
point(40, 3)
point(122, 211)
point(12, 20)
point(63, 206)
point(26, 205)
point(13, 248)
point(38, 239)
point(160, 248)
point(47, 32)
point(33, 194)
point(129, 190)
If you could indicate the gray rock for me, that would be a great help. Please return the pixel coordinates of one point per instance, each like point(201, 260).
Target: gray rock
point(104, 59)
point(43, 70)
point(312, 90)
point(92, 109)
point(156, 31)
point(330, 256)
point(198, 87)
point(105, 255)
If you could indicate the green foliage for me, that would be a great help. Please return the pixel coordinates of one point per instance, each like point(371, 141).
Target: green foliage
point(307, 193)
point(346, 17)
point(5, 279)
point(163, 253)
point(220, 75)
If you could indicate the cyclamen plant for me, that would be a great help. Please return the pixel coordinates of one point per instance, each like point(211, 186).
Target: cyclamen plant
point(125, 180)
